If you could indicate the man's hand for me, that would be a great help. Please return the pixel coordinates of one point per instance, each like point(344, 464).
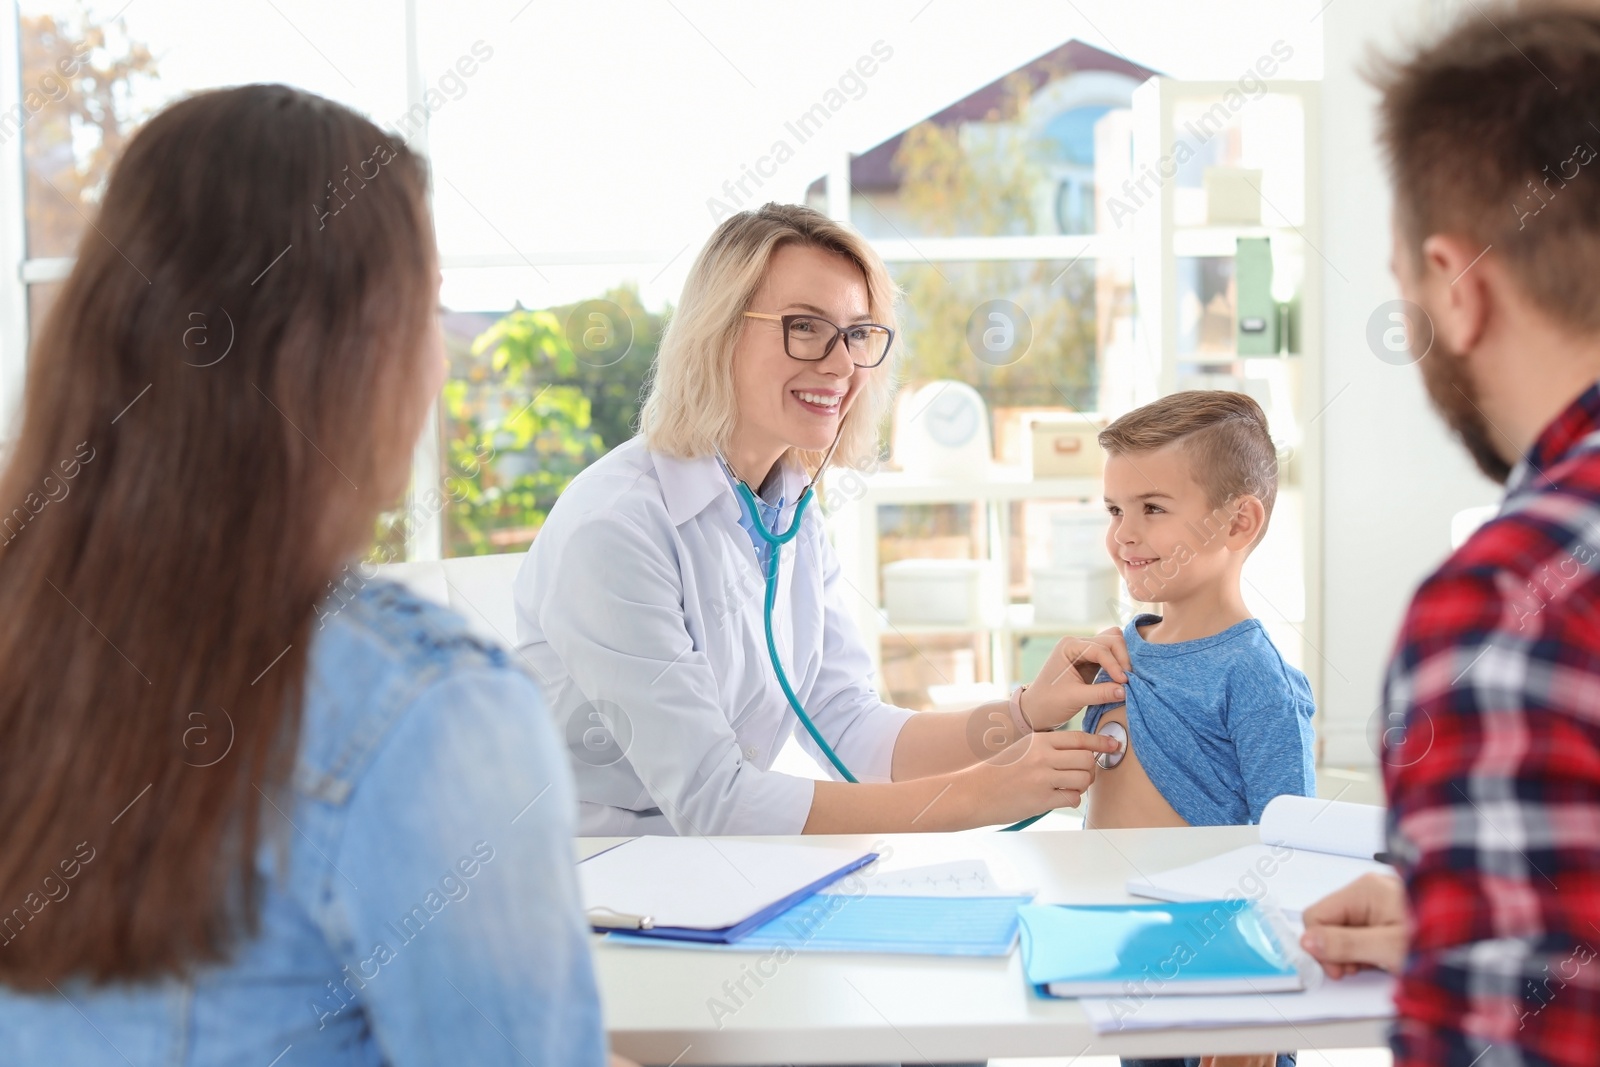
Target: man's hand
point(1362, 925)
point(1258, 1059)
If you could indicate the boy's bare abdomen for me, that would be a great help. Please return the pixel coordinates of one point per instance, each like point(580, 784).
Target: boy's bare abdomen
point(1123, 797)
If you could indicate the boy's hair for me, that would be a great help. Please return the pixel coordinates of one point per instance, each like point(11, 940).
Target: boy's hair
point(1224, 435)
point(1481, 144)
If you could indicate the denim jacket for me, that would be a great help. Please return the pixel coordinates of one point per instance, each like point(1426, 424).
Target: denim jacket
point(420, 904)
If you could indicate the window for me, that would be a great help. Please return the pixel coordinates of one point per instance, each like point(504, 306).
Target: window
point(533, 397)
point(1019, 157)
point(1069, 157)
point(93, 72)
point(1028, 334)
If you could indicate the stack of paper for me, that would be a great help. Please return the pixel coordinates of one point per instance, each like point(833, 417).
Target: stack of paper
point(1368, 995)
point(1309, 848)
point(953, 878)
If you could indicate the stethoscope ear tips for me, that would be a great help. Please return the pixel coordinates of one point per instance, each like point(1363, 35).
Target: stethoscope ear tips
point(1114, 730)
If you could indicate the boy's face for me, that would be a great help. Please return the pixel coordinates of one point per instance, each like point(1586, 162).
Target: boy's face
point(1166, 537)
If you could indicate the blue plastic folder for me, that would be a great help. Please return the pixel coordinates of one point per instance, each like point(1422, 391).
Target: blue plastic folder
point(1211, 946)
point(925, 926)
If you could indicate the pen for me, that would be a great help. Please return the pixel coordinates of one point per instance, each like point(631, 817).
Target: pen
point(626, 921)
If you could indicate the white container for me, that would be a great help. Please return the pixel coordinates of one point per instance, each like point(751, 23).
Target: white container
point(942, 592)
point(1233, 196)
point(941, 434)
point(1083, 596)
point(1078, 539)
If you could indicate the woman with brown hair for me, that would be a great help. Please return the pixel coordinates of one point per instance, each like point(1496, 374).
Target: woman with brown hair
point(241, 816)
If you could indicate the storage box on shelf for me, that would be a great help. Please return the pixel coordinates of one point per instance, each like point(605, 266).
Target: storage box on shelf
point(1079, 586)
point(1065, 445)
point(1074, 596)
point(948, 586)
point(942, 592)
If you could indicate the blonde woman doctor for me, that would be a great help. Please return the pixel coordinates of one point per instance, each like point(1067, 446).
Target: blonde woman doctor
point(641, 603)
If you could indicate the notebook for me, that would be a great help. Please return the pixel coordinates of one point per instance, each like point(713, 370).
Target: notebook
point(705, 889)
point(930, 925)
point(1309, 849)
point(1204, 947)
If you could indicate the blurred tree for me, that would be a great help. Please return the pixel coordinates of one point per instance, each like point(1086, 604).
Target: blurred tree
point(82, 76)
point(973, 177)
point(531, 412)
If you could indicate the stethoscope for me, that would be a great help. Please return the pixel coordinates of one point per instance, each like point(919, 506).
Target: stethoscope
point(775, 542)
point(1114, 730)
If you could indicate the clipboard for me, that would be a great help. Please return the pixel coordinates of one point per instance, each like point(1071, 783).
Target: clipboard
point(705, 889)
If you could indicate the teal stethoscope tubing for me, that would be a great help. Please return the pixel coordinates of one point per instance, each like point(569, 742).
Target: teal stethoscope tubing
point(775, 543)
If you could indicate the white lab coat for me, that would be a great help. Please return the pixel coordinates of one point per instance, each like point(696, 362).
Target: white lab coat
point(640, 609)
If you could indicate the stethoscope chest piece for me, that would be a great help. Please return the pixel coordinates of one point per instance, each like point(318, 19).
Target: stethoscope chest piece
point(1117, 732)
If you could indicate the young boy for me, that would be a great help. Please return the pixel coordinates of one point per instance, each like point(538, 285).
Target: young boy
point(1217, 724)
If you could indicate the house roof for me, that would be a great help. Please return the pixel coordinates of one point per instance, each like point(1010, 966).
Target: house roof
point(874, 169)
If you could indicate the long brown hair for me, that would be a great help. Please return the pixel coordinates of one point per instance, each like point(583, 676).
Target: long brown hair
point(220, 402)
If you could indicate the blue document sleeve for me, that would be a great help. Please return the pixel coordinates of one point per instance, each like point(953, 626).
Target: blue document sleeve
point(918, 926)
point(1213, 946)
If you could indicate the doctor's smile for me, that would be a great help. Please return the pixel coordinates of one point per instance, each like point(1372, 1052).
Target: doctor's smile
point(821, 403)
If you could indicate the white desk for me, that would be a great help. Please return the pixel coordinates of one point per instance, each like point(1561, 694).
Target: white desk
point(819, 1008)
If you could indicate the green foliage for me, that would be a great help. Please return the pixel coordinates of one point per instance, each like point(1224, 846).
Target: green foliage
point(536, 451)
point(529, 413)
point(1058, 368)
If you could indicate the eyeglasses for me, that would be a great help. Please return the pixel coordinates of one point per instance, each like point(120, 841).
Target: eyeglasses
point(810, 338)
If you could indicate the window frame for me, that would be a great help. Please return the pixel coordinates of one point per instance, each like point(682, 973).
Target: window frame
point(425, 539)
point(13, 231)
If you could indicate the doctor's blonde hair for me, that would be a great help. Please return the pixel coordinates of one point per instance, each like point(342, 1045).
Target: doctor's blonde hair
point(690, 409)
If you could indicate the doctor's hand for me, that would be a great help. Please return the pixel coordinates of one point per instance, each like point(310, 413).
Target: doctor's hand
point(1362, 925)
point(1040, 772)
point(1064, 685)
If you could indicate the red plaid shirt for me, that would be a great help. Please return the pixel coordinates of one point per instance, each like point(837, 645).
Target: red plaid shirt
point(1492, 765)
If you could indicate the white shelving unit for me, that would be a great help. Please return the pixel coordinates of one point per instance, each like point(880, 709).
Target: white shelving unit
point(855, 529)
point(1277, 132)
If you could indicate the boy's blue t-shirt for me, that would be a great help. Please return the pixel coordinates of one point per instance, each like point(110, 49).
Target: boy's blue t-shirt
point(1222, 724)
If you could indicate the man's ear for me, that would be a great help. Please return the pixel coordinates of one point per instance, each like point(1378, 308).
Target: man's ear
point(1458, 288)
point(1245, 525)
